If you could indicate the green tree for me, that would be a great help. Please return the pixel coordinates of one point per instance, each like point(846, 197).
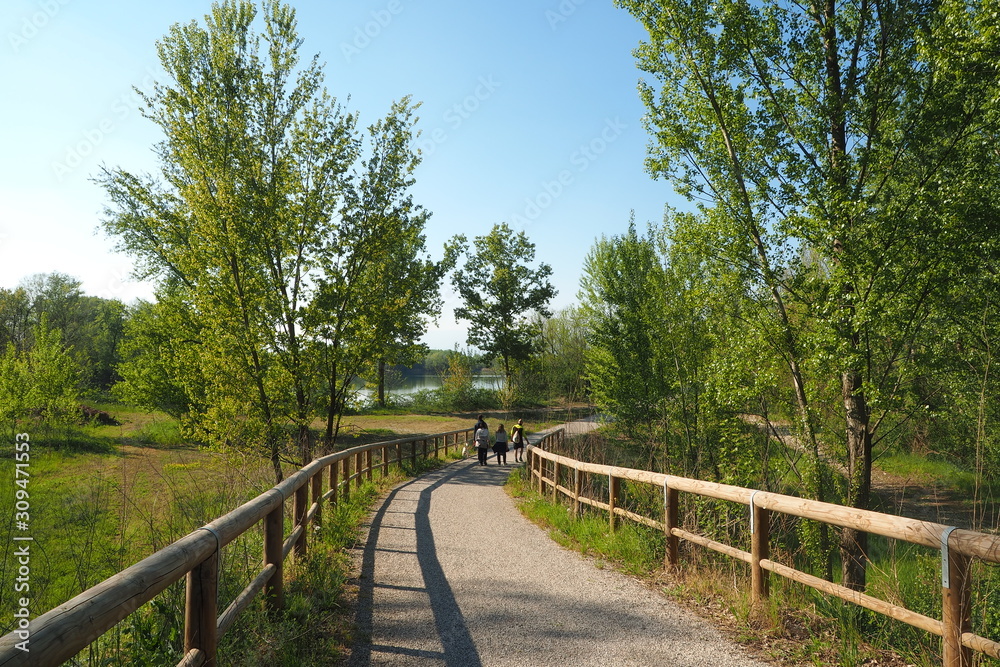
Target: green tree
point(161, 367)
point(253, 160)
point(53, 374)
point(90, 325)
point(618, 296)
point(378, 288)
point(41, 382)
point(562, 350)
point(15, 318)
point(850, 131)
point(499, 291)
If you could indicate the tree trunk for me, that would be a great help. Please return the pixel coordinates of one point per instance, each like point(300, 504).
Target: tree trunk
point(305, 444)
point(854, 543)
point(275, 458)
point(381, 384)
point(331, 409)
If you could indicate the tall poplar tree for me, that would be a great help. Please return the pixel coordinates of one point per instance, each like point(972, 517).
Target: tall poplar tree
point(845, 129)
point(251, 167)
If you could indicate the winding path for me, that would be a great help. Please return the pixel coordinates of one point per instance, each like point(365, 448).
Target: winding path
point(452, 574)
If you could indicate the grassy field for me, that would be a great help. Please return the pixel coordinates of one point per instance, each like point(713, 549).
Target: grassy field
point(104, 497)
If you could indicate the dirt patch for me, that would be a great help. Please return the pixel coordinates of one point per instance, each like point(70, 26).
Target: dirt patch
point(916, 499)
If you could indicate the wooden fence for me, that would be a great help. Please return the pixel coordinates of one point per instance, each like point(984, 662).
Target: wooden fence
point(61, 633)
point(957, 546)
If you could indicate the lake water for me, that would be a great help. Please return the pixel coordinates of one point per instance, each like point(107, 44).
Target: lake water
point(415, 383)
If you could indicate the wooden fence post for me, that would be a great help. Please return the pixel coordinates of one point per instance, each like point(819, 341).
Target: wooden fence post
point(274, 533)
point(613, 486)
point(368, 461)
point(424, 447)
point(201, 608)
point(672, 500)
point(385, 461)
point(556, 469)
point(760, 549)
point(317, 496)
point(358, 468)
point(346, 463)
point(299, 509)
point(956, 605)
point(577, 489)
point(413, 452)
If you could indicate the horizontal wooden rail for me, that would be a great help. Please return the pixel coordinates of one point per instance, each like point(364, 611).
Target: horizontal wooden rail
point(958, 546)
point(59, 634)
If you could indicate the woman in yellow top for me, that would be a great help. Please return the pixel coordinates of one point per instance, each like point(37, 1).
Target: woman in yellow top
point(517, 437)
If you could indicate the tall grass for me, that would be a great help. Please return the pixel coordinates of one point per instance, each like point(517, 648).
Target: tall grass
point(98, 509)
point(797, 624)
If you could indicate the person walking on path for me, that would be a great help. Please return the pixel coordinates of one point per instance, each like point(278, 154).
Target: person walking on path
point(482, 439)
point(425, 599)
point(517, 437)
point(500, 446)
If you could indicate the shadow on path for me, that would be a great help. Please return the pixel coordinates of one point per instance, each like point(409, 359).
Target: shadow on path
point(459, 649)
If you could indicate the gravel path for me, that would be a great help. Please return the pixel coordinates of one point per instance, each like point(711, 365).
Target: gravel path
point(452, 574)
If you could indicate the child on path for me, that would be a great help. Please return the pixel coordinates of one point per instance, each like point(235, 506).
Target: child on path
point(517, 437)
point(500, 446)
point(482, 439)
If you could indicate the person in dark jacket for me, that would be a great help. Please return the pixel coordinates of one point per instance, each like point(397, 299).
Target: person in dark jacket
point(500, 446)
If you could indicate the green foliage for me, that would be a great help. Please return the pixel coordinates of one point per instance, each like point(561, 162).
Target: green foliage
point(620, 302)
point(377, 290)
point(285, 262)
point(41, 383)
point(804, 147)
point(90, 326)
point(657, 344)
point(161, 365)
point(499, 290)
point(458, 392)
point(560, 366)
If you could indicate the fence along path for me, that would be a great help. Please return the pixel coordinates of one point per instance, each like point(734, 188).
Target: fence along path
point(452, 574)
point(560, 475)
point(59, 634)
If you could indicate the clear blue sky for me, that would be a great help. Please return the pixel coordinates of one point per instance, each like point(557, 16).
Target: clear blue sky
point(530, 115)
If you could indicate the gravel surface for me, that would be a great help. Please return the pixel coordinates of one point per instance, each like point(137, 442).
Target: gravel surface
point(452, 574)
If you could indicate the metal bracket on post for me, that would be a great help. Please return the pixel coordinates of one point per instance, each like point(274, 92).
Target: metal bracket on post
point(753, 511)
point(666, 488)
point(218, 540)
point(945, 565)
